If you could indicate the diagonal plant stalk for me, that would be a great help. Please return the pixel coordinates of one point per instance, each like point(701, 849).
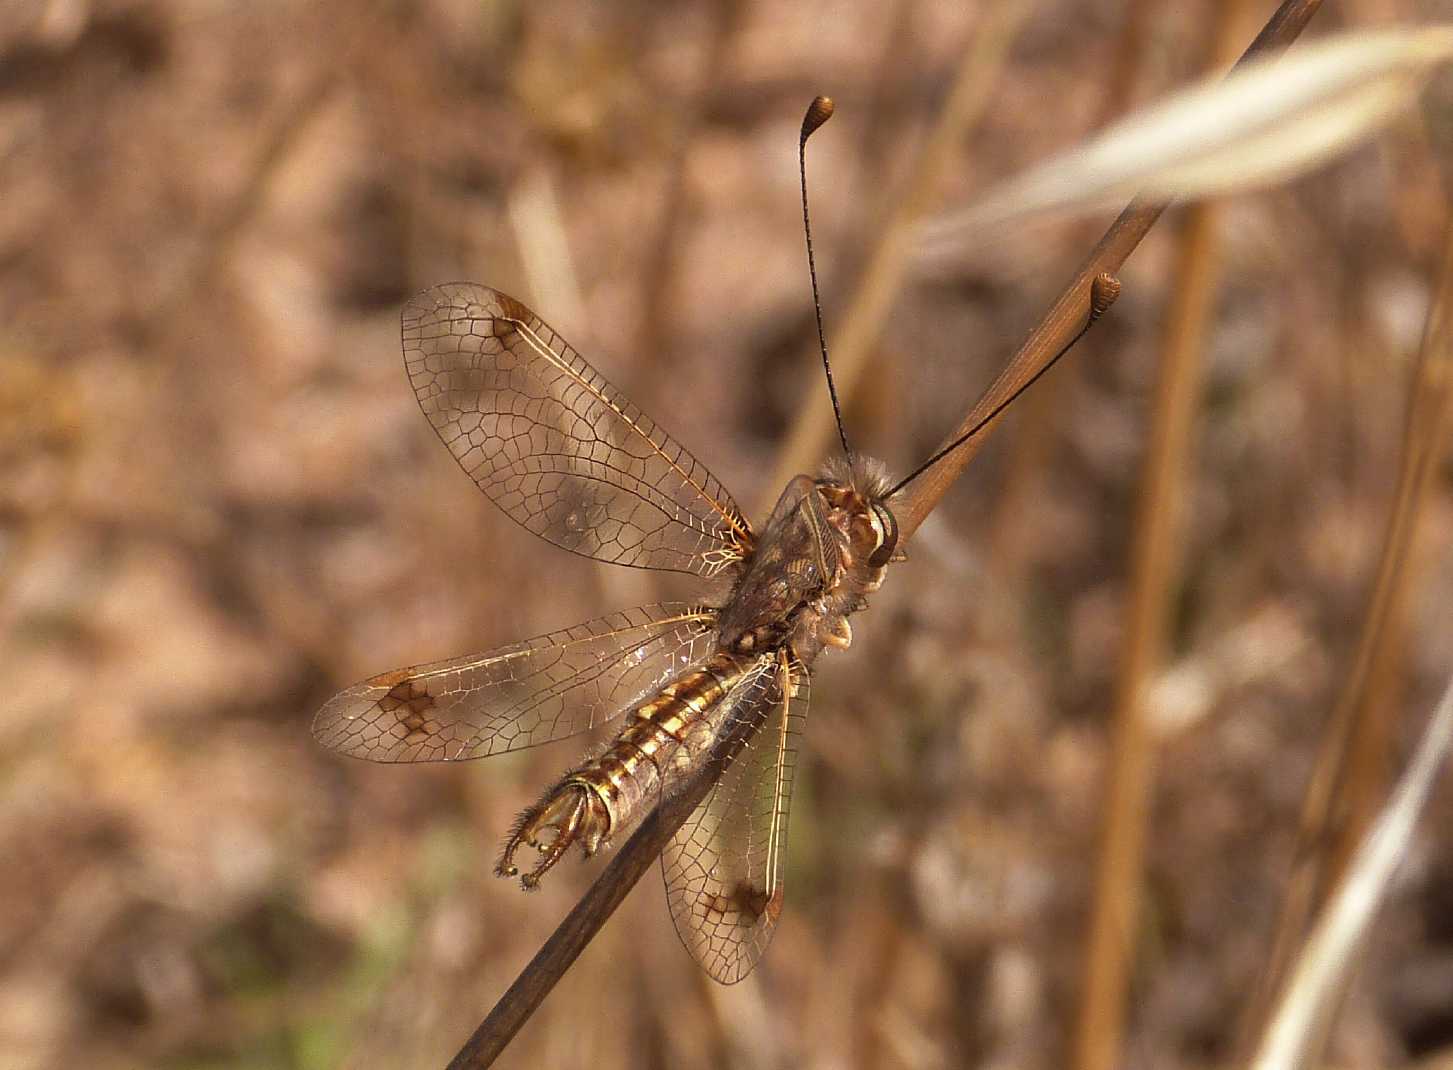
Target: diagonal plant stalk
point(638, 853)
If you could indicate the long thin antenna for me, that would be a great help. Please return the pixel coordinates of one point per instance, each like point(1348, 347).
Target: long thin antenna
point(1103, 291)
point(818, 112)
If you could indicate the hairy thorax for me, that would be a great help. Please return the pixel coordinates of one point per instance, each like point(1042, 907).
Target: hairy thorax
point(825, 548)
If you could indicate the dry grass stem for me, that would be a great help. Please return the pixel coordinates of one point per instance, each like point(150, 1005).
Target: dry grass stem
point(1347, 778)
point(1263, 124)
point(1301, 1017)
point(1129, 777)
point(1154, 573)
point(1424, 446)
point(1153, 585)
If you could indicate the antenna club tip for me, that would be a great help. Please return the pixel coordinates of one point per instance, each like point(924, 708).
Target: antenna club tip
point(818, 112)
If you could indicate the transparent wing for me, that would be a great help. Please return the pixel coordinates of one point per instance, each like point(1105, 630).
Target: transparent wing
point(554, 445)
point(517, 696)
point(724, 868)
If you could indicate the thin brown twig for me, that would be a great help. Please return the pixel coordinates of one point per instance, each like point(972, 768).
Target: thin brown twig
point(599, 902)
point(638, 853)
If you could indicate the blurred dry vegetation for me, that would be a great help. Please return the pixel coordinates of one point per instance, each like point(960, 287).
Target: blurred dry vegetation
point(219, 504)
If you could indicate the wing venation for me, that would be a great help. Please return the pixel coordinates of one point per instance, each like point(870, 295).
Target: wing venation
point(517, 696)
point(556, 446)
point(724, 868)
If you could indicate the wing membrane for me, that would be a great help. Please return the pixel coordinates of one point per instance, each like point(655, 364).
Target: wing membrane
point(724, 868)
point(554, 445)
point(517, 696)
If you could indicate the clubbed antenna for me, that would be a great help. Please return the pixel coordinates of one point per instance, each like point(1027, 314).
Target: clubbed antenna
point(1103, 291)
point(818, 112)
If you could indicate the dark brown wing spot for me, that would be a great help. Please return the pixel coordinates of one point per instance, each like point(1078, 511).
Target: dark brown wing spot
point(391, 679)
point(411, 704)
point(554, 445)
point(513, 309)
point(772, 907)
point(746, 904)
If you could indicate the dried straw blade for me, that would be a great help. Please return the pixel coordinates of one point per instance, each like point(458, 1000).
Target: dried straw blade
point(1321, 969)
point(1263, 123)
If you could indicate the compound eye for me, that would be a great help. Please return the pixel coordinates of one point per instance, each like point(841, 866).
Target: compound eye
point(889, 543)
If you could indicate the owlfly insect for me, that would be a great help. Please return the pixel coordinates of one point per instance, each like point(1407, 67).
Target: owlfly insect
point(562, 453)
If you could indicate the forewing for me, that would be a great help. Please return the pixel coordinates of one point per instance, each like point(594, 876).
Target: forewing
point(556, 446)
point(724, 867)
point(517, 696)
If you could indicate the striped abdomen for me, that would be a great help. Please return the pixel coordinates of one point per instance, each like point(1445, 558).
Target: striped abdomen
point(666, 732)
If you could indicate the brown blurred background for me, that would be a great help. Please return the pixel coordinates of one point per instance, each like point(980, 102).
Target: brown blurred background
point(219, 504)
